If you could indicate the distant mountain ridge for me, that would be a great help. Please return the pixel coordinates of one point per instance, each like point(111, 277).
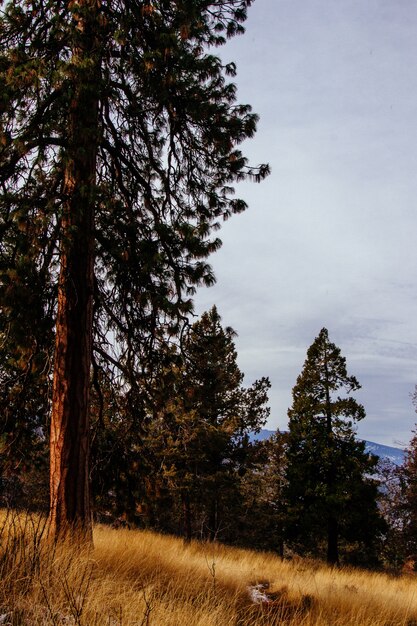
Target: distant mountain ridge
point(395, 455)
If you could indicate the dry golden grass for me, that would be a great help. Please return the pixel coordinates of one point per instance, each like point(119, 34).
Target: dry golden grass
point(137, 578)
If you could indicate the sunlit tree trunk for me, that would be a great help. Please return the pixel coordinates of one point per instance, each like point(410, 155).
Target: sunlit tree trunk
point(69, 447)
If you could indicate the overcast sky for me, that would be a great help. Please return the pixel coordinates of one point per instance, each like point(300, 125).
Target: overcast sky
point(330, 238)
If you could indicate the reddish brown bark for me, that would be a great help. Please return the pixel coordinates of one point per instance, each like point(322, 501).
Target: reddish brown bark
point(70, 404)
point(69, 442)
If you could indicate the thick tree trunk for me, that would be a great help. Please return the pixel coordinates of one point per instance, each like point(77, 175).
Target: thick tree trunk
point(70, 500)
point(69, 443)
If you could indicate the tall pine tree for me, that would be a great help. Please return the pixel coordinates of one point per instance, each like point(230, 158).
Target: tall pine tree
point(329, 492)
point(201, 432)
point(119, 140)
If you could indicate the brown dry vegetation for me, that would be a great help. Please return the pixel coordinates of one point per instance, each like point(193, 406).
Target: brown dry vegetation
point(145, 579)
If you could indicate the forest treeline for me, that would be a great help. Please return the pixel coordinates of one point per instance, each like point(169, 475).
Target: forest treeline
point(120, 149)
point(188, 463)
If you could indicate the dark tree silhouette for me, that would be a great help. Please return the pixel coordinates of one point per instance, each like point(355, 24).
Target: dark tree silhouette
point(328, 486)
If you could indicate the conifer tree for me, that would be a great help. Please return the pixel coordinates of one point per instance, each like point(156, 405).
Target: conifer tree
point(119, 137)
point(329, 492)
point(262, 520)
point(202, 434)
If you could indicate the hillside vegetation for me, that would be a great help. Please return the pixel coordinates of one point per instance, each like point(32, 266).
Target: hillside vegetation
point(140, 578)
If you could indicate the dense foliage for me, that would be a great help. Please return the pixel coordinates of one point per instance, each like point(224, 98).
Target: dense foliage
point(195, 442)
point(330, 493)
point(169, 127)
point(119, 146)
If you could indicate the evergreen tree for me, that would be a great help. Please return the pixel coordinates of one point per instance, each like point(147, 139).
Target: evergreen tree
point(119, 140)
point(392, 505)
point(261, 523)
point(201, 434)
point(330, 495)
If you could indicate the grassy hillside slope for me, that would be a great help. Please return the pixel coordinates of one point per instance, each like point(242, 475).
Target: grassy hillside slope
point(136, 578)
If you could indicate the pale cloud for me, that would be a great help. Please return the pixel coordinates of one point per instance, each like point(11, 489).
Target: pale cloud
point(330, 238)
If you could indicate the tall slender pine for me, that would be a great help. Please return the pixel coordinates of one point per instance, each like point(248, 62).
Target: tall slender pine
point(328, 483)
